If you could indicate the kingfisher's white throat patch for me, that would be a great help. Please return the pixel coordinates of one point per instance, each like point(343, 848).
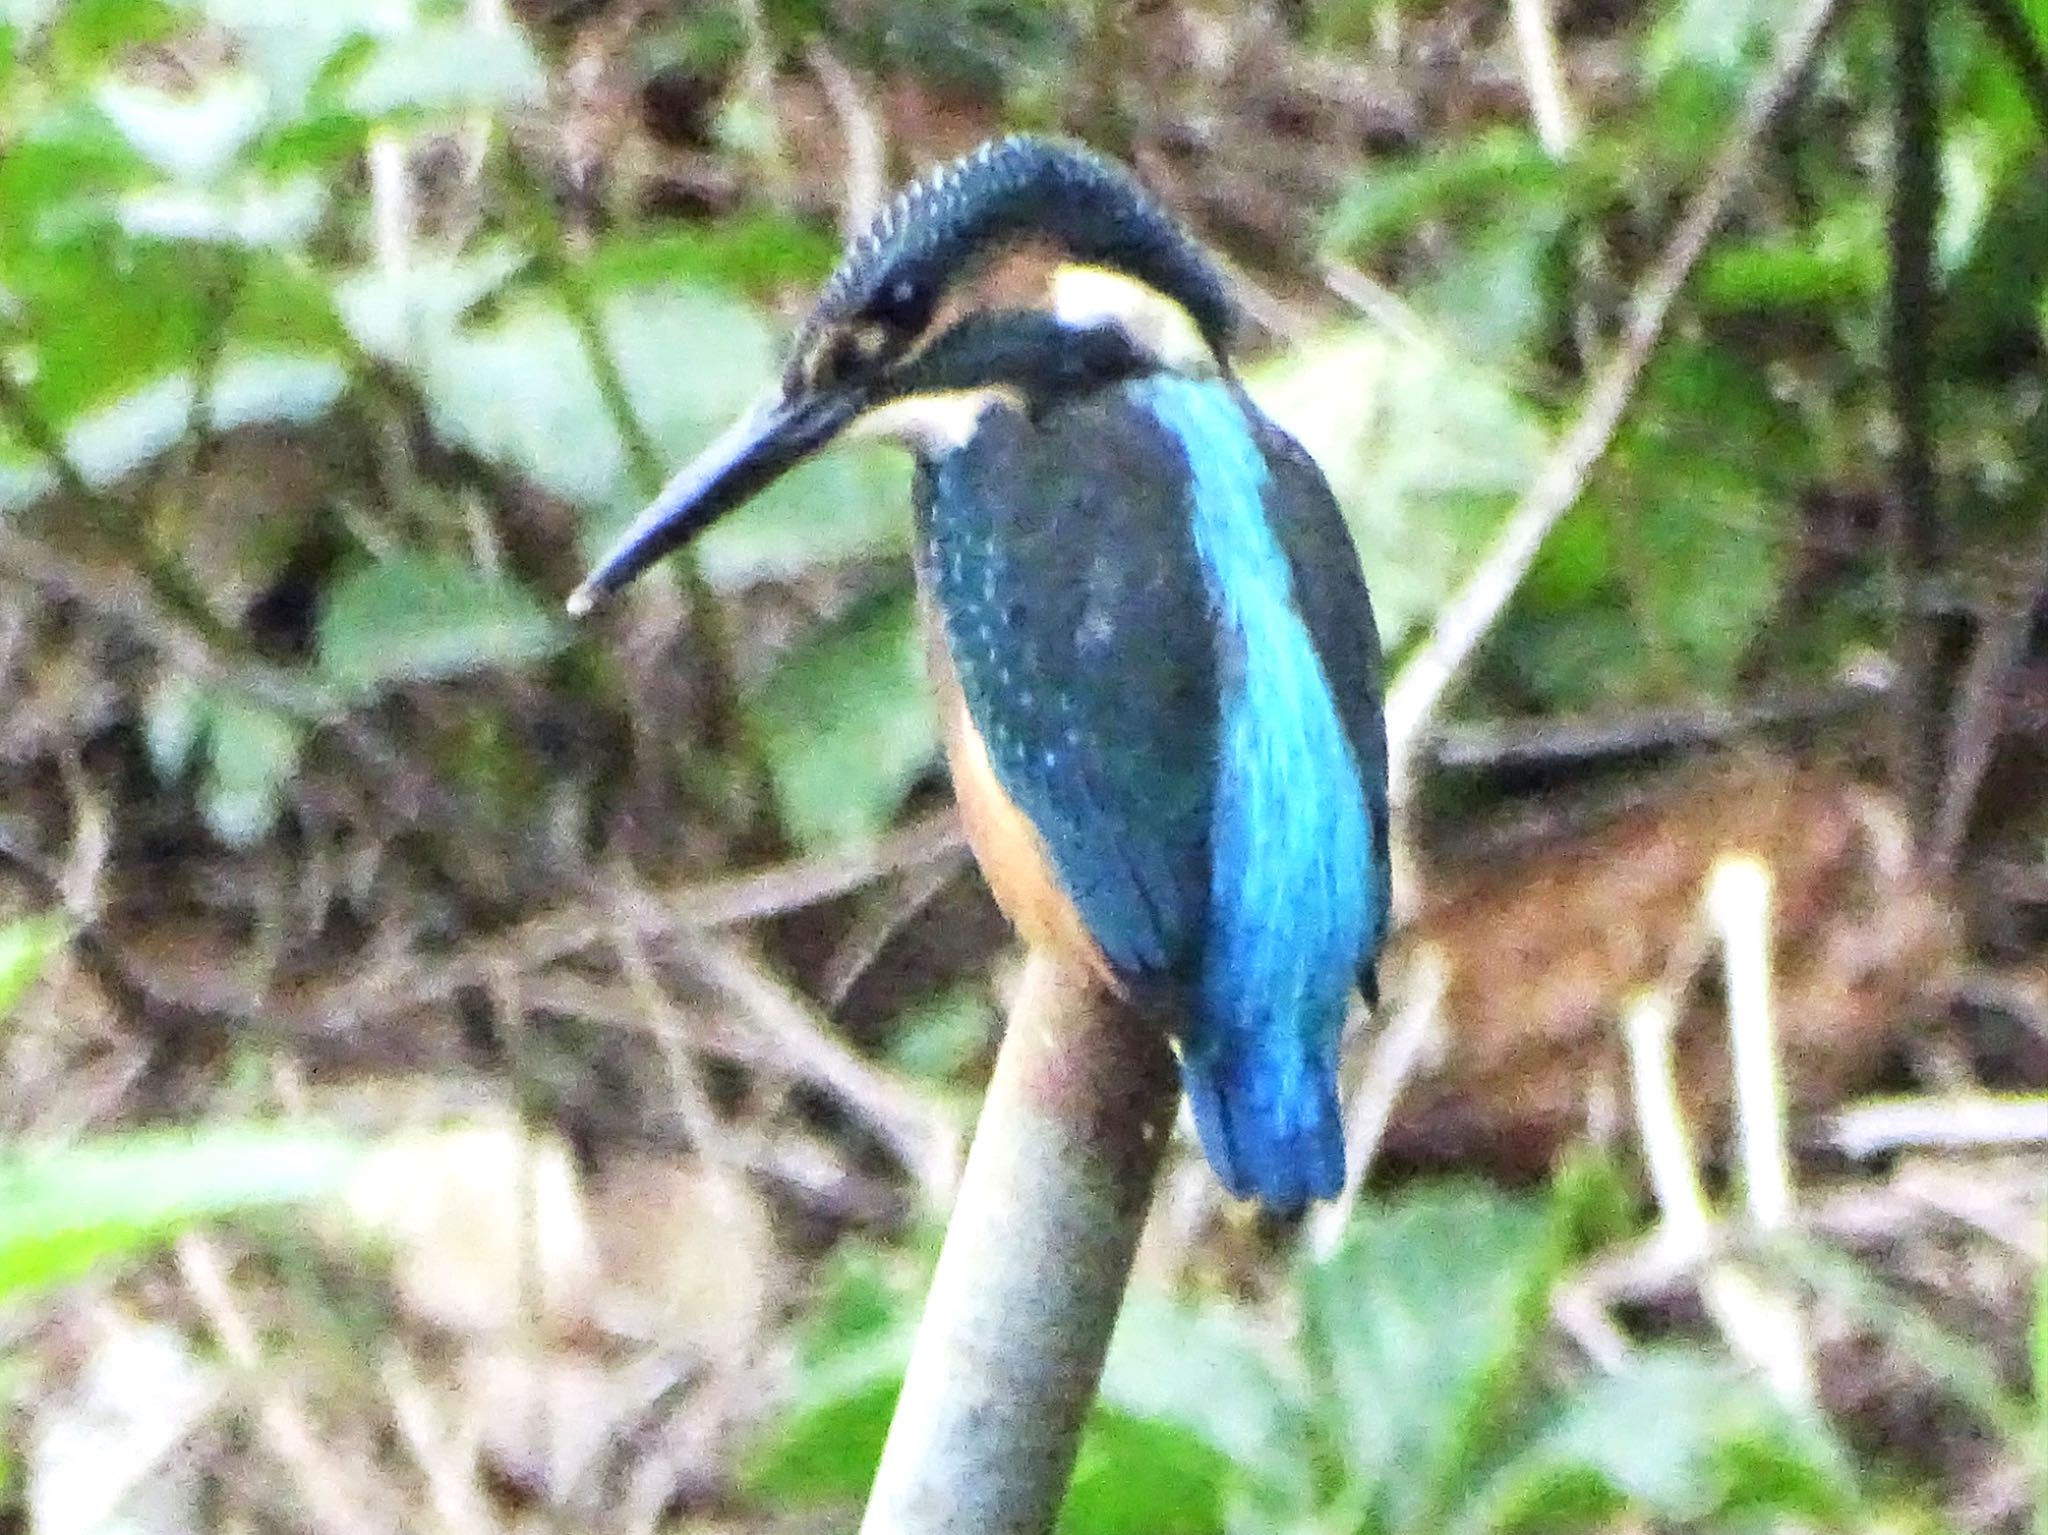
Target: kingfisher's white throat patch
point(934, 423)
point(1160, 327)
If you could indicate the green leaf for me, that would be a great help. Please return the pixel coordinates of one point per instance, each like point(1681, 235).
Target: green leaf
point(397, 313)
point(826, 1448)
point(1143, 1476)
point(850, 503)
point(1200, 1372)
point(83, 35)
point(1840, 260)
point(419, 617)
point(1184, 1397)
point(758, 252)
point(174, 719)
point(448, 66)
point(1485, 169)
point(936, 1039)
point(66, 1209)
point(847, 723)
point(1677, 1437)
point(148, 295)
point(252, 750)
point(260, 388)
point(114, 442)
point(193, 136)
point(521, 390)
point(853, 1348)
point(1715, 37)
point(252, 213)
point(248, 389)
point(27, 945)
point(1424, 450)
point(1422, 1325)
point(1660, 584)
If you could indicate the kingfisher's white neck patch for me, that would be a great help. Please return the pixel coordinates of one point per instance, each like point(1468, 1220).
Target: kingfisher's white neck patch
point(1161, 328)
point(933, 424)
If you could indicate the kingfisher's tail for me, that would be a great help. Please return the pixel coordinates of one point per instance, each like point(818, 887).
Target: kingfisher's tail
point(1266, 1107)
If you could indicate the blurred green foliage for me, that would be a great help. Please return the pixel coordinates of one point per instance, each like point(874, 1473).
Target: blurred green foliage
point(65, 1209)
point(1419, 1395)
point(185, 255)
point(195, 245)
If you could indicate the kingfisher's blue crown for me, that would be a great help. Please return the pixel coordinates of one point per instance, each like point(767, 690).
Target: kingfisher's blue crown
point(1011, 189)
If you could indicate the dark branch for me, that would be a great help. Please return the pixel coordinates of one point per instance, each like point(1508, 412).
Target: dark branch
point(1914, 514)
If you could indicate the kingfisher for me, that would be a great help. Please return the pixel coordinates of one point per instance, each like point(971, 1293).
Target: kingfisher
point(1151, 640)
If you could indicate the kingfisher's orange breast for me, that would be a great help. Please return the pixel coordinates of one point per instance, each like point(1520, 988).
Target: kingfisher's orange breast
point(1005, 843)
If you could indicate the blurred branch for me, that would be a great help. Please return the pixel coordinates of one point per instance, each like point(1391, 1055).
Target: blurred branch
point(1914, 515)
point(1973, 730)
point(19, 412)
point(1738, 908)
point(1491, 745)
point(655, 914)
point(900, 1118)
point(1420, 688)
point(333, 1501)
point(866, 156)
point(1398, 1051)
point(720, 720)
point(1543, 77)
point(2021, 45)
point(180, 604)
point(1938, 1124)
point(138, 607)
point(1032, 1275)
point(565, 275)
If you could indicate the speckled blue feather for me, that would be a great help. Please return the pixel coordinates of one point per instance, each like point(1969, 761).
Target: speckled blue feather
point(1291, 892)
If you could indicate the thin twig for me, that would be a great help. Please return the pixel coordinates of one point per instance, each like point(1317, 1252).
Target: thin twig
point(1762, 1319)
point(1543, 78)
point(1487, 745)
point(914, 1132)
point(447, 1462)
point(1423, 683)
point(656, 914)
point(867, 184)
point(1938, 1124)
point(18, 412)
point(1661, 1128)
point(332, 1500)
point(1738, 906)
point(1913, 513)
point(1973, 731)
point(1397, 1051)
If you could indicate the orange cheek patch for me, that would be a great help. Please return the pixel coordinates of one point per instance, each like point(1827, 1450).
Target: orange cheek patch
point(1018, 276)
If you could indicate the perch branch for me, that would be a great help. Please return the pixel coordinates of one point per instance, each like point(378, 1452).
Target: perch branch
point(1032, 1274)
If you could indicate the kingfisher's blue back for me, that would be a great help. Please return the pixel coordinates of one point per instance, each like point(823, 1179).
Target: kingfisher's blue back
point(1166, 651)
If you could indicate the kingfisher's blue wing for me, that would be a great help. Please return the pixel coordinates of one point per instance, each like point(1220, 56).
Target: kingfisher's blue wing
point(1060, 561)
point(1336, 609)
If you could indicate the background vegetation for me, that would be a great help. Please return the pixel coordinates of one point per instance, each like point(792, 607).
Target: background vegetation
point(609, 1006)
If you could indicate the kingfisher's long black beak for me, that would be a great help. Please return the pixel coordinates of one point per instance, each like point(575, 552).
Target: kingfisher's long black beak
point(757, 449)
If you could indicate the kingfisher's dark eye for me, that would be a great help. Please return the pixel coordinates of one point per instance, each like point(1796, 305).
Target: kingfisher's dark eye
point(904, 307)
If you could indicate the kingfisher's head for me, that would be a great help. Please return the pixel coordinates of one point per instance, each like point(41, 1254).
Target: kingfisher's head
point(1027, 272)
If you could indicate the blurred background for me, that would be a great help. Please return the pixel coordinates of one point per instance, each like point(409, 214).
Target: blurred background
point(460, 1072)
